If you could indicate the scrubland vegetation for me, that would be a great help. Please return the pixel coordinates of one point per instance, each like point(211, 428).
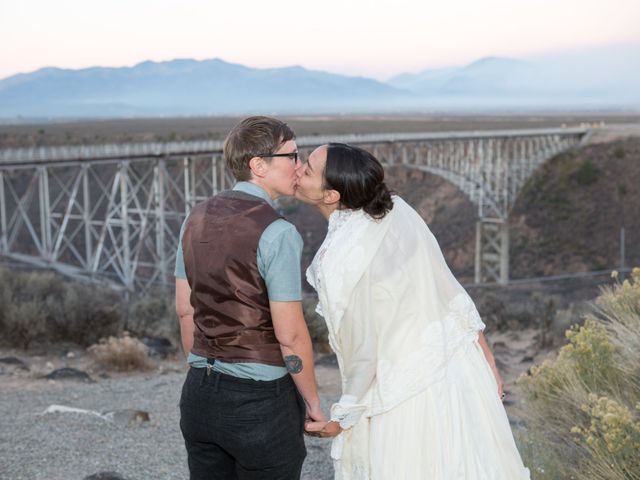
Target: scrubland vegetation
point(582, 410)
point(40, 308)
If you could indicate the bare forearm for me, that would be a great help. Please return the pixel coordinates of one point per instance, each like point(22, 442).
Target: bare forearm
point(293, 335)
point(298, 357)
point(185, 311)
point(486, 350)
point(492, 363)
point(186, 333)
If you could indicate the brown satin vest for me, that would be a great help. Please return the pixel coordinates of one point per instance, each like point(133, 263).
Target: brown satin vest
point(220, 244)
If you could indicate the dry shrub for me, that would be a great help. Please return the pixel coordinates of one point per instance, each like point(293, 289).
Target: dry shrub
point(46, 306)
point(121, 354)
point(582, 410)
point(153, 314)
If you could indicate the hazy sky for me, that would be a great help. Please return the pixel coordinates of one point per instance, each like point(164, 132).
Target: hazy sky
point(377, 38)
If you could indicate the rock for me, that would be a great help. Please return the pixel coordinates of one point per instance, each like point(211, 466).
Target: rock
point(127, 416)
point(65, 409)
point(160, 347)
point(105, 476)
point(121, 417)
point(14, 362)
point(68, 373)
point(71, 355)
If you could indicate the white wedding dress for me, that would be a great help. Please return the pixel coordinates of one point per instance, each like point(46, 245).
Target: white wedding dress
point(419, 400)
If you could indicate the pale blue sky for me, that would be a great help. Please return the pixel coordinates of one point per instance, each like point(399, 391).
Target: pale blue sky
point(376, 38)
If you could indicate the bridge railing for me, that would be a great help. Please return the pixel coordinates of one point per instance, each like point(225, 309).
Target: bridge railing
point(66, 153)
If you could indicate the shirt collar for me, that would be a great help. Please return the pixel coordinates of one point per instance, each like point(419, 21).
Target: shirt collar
point(255, 190)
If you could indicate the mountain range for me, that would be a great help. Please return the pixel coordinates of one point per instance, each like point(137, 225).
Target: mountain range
point(583, 80)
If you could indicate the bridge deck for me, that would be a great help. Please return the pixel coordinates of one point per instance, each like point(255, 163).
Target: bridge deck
point(59, 154)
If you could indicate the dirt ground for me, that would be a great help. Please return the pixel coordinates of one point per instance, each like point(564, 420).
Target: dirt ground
point(515, 352)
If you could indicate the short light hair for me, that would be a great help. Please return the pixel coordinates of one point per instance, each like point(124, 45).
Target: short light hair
point(251, 137)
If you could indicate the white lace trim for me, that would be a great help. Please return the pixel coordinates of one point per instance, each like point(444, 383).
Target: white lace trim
point(347, 412)
point(337, 219)
point(463, 313)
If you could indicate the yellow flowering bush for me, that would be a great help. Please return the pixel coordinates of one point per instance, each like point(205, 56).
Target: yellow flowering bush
point(582, 409)
point(590, 352)
point(624, 298)
point(615, 429)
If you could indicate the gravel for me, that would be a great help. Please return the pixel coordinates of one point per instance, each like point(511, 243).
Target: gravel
point(70, 446)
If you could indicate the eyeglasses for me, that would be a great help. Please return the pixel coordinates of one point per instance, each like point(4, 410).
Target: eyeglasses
point(293, 156)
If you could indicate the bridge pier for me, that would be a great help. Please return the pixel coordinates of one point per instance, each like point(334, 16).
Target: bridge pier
point(492, 251)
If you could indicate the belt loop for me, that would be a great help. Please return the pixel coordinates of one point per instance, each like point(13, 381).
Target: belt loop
point(216, 381)
point(203, 376)
point(278, 388)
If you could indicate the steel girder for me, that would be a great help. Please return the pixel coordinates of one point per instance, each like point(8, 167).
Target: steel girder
point(112, 213)
point(115, 221)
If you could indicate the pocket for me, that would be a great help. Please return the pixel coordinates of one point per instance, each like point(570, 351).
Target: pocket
point(246, 408)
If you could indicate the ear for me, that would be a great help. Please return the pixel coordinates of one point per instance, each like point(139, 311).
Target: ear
point(258, 167)
point(329, 197)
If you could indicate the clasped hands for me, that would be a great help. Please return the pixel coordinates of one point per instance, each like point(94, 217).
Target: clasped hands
point(322, 429)
point(316, 425)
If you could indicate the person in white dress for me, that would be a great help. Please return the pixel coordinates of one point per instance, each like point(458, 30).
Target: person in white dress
point(421, 395)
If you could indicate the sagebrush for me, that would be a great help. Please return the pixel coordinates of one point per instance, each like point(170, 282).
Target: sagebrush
point(582, 410)
point(121, 354)
point(46, 307)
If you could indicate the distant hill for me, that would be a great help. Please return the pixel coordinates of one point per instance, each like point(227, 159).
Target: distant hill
point(569, 214)
point(490, 75)
point(597, 78)
point(188, 87)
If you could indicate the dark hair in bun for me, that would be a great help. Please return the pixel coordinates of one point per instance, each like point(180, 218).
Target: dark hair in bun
point(359, 178)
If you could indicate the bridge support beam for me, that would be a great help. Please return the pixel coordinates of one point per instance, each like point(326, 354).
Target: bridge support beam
point(492, 251)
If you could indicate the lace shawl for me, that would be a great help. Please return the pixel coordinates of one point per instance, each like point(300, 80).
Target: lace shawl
point(430, 324)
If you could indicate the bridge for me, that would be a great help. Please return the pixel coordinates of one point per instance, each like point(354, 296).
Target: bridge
point(112, 213)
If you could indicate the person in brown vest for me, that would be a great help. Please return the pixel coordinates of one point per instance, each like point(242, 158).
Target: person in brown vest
point(238, 297)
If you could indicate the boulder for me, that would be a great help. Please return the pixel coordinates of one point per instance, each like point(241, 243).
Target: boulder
point(68, 373)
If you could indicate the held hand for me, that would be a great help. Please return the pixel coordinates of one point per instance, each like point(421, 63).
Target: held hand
point(322, 429)
point(499, 381)
point(315, 414)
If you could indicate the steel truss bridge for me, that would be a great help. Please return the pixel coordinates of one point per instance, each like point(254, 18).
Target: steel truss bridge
point(112, 213)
